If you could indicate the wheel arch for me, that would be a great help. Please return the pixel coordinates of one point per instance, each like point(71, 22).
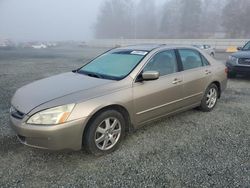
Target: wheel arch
point(121, 109)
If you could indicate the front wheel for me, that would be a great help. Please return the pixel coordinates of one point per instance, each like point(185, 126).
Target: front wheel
point(210, 98)
point(104, 133)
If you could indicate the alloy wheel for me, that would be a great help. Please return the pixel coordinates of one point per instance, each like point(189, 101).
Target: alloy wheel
point(108, 133)
point(211, 98)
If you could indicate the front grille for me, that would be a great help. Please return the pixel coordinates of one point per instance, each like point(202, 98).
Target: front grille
point(16, 113)
point(242, 69)
point(244, 61)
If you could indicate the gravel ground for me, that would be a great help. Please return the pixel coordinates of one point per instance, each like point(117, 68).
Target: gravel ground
point(192, 149)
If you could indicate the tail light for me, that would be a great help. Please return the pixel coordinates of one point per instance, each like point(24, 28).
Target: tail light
point(226, 70)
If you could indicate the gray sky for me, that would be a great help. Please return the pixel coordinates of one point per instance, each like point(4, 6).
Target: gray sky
point(23, 20)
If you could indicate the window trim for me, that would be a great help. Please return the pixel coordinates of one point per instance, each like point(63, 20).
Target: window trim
point(204, 65)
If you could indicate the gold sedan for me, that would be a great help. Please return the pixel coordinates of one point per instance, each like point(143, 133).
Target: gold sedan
point(118, 91)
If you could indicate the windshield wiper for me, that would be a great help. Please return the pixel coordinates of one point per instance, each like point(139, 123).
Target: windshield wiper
point(95, 75)
point(91, 74)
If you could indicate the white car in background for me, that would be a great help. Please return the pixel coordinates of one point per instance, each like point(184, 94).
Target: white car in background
point(39, 46)
point(207, 48)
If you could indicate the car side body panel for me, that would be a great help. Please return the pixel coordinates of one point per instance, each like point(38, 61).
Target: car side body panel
point(194, 84)
point(155, 98)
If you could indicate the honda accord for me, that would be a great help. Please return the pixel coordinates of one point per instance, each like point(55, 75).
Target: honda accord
point(119, 91)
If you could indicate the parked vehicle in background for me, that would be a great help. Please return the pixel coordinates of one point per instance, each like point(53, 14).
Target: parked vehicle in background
point(239, 62)
point(120, 90)
point(6, 44)
point(39, 46)
point(207, 48)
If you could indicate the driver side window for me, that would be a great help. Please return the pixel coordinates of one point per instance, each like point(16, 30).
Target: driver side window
point(164, 62)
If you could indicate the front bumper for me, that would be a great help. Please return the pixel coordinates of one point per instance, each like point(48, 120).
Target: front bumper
point(238, 69)
point(67, 136)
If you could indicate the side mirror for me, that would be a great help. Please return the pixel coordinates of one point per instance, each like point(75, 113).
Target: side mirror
point(150, 75)
point(239, 48)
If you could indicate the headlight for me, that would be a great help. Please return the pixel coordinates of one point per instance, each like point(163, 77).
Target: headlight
point(52, 116)
point(233, 60)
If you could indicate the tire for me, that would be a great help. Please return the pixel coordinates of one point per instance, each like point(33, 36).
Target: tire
point(104, 133)
point(208, 104)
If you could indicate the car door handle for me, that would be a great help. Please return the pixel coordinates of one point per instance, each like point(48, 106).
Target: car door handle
point(176, 81)
point(208, 72)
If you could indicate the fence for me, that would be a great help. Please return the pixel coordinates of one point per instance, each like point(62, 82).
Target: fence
point(218, 44)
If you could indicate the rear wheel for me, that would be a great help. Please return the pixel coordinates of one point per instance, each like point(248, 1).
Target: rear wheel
point(210, 98)
point(104, 133)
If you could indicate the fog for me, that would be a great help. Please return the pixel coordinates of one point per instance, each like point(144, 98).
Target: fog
point(79, 20)
point(24, 20)
point(48, 19)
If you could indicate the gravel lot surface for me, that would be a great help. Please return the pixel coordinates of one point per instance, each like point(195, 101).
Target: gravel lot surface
point(192, 149)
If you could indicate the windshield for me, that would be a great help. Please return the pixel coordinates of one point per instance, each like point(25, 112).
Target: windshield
point(247, 46)
point(113, 65)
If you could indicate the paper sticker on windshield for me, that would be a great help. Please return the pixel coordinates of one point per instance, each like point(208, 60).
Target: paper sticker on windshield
point(139, 53)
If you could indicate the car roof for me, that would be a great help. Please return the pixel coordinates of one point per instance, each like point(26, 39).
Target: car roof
point(142, 47)
point(150, 47)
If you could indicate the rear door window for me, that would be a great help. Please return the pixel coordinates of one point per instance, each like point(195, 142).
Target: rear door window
point(191, 59)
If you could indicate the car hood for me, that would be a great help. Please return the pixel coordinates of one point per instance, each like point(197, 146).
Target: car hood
point(242, 54)
point(39, 92)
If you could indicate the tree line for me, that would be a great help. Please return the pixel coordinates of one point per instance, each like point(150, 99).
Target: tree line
point(173, 19)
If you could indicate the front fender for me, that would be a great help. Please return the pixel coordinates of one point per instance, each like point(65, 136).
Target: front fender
point(90, 107)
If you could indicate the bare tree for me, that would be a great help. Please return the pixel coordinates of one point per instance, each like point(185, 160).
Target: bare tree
point(246, 20)
point(178, 19)
point(115, 19)
point(211, 17)
point(236, 18)
point(190, 18)
point(145, 19)
point(181, 18)
point(170, 24)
